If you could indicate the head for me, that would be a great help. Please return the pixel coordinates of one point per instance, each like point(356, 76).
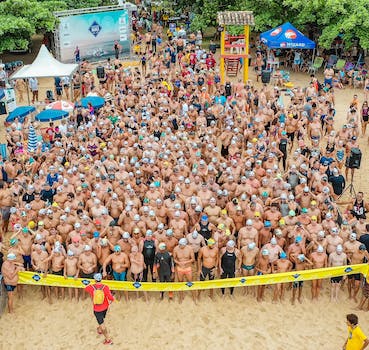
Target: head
point(352, 320)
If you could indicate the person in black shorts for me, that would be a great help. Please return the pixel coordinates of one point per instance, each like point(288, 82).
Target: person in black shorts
point(100, 310)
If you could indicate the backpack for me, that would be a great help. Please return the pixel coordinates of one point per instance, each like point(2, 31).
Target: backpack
point(98, 295)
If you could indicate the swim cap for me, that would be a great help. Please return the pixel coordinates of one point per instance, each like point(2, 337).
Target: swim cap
point(273, 241)
point(96, 234)
point(282, 222)
point(291, 213)
point(75, 239)
point(362, 247)
point(257, 214)
point(298, 239)
point(265, 252)
point(204, 217)
point(267, 224)
point(117, 248)
point(182, 242)
point(320, 249)
point(314, 218)
point(231, 243)
point(249, 222)
point(97, 277)
point(11, 256)
point(353, 236)
point(195, 234)
point(87, 248)
point(251, 245)
point(283, 255)
point(169, 232)
point(339, 248)
point(162, 246)
point(125, 235)
point(13, 242)
point(31, 225)
point(70, 253)
point(148, 233)
point(211, 241)
point(304, 210)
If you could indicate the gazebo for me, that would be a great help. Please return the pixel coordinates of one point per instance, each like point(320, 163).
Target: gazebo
point(235, 18)
point(45, 66)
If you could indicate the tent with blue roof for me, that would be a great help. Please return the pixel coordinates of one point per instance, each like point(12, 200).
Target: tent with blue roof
point(286, 36)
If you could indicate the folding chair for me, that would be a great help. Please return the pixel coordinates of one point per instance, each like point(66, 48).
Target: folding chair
point(317, 64)
point(332, 60)
point(340, 64)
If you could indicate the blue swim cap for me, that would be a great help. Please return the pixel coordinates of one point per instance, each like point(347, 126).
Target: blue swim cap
point(204, 217)
point(96, 234)
point(283, 255)
point(298, 239)
point(267, 224)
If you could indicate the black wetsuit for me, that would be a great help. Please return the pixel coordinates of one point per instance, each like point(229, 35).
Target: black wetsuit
point(205, 231)
point(165, 266)
point(228, 264)
point(149, 257)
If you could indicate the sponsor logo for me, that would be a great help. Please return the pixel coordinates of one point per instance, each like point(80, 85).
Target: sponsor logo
point(276, 31)
point(95, 29)
point(290, 34)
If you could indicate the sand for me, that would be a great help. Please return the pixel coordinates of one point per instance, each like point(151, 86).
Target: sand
point(240, 323)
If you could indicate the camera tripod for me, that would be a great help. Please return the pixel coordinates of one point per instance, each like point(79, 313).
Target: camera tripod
point(350, 188)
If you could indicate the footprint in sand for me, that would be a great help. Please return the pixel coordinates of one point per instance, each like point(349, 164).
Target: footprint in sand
point(205, 319)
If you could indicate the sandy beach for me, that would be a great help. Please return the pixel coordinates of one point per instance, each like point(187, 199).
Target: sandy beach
point(239, 323)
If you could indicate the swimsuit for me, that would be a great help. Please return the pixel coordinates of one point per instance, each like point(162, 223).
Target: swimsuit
point(185, 270)
point(27, 261)
point(120, 276)
point(248, 267)
point(205, 271)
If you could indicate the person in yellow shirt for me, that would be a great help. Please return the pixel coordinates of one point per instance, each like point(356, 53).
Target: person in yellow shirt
point(356, 339)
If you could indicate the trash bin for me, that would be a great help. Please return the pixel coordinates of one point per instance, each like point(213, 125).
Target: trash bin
point(265, 76)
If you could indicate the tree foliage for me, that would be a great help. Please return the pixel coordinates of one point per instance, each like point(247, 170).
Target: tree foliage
point(328, 17)
point(20, 19)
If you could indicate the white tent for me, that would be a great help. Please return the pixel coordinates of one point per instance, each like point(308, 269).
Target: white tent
point(44, 66)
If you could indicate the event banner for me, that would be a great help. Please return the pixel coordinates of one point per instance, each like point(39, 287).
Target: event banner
point(94, 35)
point(33, 278)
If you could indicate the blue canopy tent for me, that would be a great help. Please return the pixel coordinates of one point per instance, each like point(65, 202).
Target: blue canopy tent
point(20, 113)
point(286, 36)
point(50, 115)
point(96, 101)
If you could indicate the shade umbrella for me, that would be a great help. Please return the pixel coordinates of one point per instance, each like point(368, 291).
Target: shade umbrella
point(61, 106)
point(96, 101)
point(49, 115)
point(20, 113)
point(32, 140)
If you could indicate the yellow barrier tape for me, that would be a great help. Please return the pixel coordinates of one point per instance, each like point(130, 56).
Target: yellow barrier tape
point(33, 278)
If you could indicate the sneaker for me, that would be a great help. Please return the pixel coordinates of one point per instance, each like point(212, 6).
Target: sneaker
point(108, 342)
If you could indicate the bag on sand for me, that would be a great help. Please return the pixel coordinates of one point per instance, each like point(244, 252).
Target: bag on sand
point(98, 296)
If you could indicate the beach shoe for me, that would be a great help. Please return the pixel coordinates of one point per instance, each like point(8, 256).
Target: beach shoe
point(108, 342)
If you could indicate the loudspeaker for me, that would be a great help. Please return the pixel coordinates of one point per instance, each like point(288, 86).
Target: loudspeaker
point(265, 76)
point(2, 108)
point(100, 72)
point(354, 160)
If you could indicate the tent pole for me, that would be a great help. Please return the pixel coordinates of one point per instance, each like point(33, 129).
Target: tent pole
point(28, 93)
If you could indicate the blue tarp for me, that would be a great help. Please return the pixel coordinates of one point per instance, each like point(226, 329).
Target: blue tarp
point(20, 113)
point(96, 101)
point(286, 36)
point(2, 94)
point(49, 115)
